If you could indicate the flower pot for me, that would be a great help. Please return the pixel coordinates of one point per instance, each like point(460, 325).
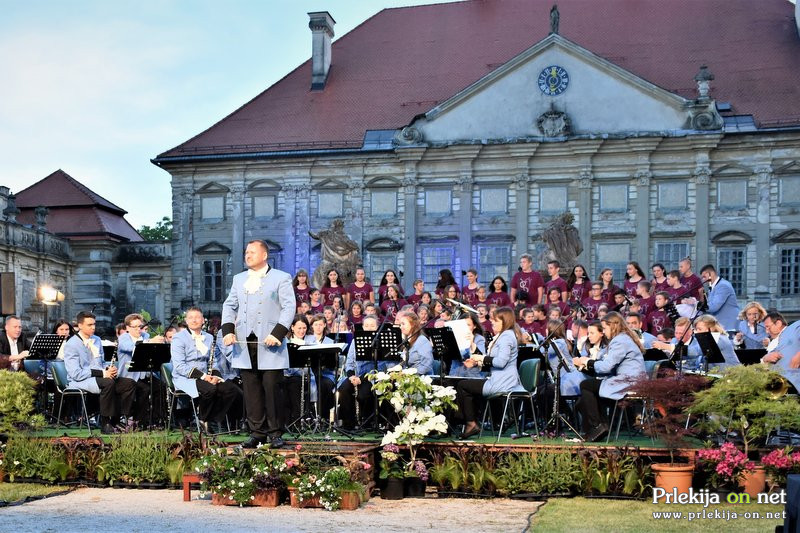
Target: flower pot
point(308, 503)
point(414, 487)
point(351, 500)
point(677, 476)
point(753, 482)
point(393, 489)
point(222, 499)
point(266, 498)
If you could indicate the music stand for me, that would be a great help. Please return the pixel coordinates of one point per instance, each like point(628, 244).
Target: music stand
point(750, 357)
point(376, 347)
point(109, 351)
point(709, 348)
point(148, 357)
point(556, 419)
point(325, 356)
point(302, 361)
point(445, 348)
point(45, 347)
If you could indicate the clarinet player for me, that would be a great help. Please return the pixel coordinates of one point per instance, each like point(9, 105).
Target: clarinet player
point(256, 317)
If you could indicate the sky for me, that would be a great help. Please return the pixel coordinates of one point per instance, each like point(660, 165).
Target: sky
point(98, 88)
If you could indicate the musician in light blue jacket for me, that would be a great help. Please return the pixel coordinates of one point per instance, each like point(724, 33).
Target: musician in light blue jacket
point(571, 377)
point(721, 298)
point(501, 361)
point(478, 345)
point(709, 324)
point(126, 343)
point(752, 334)
point(190, 353)
point(83, 360)
point(354, 383)
point(418, 349)
point(621, 365)
point(256, 317)
point(784, 349)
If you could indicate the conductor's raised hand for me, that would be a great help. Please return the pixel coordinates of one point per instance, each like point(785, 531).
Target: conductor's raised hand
point(229, 339)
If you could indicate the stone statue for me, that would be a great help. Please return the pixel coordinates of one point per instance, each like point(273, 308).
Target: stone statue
point(555, 17)
point(563, 242)
point(337, 251)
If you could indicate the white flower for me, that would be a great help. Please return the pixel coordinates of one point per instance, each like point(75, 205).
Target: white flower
point(427, 380)
point(395, 368)
point(381, 376)
point(410, 371)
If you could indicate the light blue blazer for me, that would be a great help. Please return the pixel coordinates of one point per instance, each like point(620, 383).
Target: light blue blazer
point(272, 305)
point(222, 359)
point(125, 348)
point(185, 358)
point(752, 341)
point(728, 353)
point(79, 362)
point(420, 356)
point(571, 377)
point(622, 363)
point(504, 376)
point(788, 345)
point(723, 305)
point(458, 369)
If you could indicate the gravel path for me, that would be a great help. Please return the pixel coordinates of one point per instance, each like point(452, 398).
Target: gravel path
point(160, 510)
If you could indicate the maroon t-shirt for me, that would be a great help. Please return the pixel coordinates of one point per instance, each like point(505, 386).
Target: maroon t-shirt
point(302, 295)
point(647, 305)
point(487, 326)
point(658, 287)
point(528, 282)
point(658, 320)
point(563, 307)
point(630, 287)
point(390, 308)
point(382, 291)
point(440, 290)
point(538, 327)
point(414, 300)
point(328, 293)
point(318, 308)
point(579, 292)
point(674, 293)
point(355, 320)
point(608, 294)
point(359, 294)
point(592, 306)
point(557, 283)
point(693, 285)
point(470, 296)
point(500, 299)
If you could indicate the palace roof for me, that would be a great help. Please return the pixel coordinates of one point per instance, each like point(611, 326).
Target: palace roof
point(402, 62)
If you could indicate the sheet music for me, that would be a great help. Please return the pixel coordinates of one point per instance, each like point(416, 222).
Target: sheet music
point(339, 345)
point(460, 332)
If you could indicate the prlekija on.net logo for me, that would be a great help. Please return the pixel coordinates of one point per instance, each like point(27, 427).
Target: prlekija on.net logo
point(705, 497)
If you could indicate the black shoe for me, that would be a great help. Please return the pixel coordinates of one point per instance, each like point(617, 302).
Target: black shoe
point(471, 433)
point(277, 442)
point(597, 433)
point(252, 442)
point(107, 429)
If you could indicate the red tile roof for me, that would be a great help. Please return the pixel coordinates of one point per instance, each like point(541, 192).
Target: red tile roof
point(76, 212)
point(404, 61)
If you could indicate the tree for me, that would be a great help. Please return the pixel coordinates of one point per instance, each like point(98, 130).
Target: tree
point(162, 231)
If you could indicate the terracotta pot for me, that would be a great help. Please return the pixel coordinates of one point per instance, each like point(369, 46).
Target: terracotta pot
point(266, 498)
point(308, 503)
point(393, 489)
point(677, 476)
point(222, 499)
point(754, 482)
point(351, 500)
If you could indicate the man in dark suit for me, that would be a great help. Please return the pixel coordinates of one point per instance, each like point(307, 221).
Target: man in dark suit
point(13, 345)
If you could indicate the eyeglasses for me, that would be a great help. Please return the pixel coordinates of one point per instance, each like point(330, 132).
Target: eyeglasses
point(135, 327)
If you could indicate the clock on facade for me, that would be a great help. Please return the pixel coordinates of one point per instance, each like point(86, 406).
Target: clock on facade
point(553, 80)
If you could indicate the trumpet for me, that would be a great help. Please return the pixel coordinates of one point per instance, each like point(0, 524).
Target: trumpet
point(777, 387)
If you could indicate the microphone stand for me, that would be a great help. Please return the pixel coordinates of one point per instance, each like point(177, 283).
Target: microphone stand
point(556, 419)
point(374, 349)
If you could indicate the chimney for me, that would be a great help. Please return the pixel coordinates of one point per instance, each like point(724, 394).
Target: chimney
point(321, 24)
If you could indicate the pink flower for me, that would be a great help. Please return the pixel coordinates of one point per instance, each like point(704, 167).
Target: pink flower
point(289, 463)
point(298, 447)
point(367, 466)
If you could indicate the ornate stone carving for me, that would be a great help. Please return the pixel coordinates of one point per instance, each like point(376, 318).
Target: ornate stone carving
point(643, 178)
point(410, 185)
point(464, 182)
point(586, 177)
point(356, 187)
point(41, 216)
point(706, 120)
point(764, 174)
point(337, 251)
point(408, 136)
point(521, 181)
point(555, 18)
point(237, 192)
point(702, 175)
point(554, 123)
point(703, 78)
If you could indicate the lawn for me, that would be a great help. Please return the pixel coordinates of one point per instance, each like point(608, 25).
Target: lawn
point(13, 492)
point(627, 516)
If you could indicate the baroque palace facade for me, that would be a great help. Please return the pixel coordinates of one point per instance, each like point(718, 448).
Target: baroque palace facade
point(452, 135)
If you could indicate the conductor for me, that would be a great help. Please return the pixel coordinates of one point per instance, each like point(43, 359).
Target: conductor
point(256, 317)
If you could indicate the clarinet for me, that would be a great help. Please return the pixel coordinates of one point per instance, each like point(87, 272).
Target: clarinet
point(211, 355)
point(358, 407)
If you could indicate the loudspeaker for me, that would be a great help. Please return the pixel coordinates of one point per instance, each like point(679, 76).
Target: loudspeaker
point(8, 294)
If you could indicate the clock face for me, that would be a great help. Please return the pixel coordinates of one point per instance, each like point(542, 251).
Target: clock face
point(553, 80)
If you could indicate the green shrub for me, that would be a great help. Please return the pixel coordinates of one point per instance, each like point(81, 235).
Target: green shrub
point(35, 458)
point(136, 459)
point(17, 393)
point(538, 473)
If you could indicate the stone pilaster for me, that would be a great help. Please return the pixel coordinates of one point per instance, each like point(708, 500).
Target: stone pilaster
point(702, 175)
point(237, 192)
point(585, 216)
point(521, 233)
point(410, 222)
point(289, 193)
point(642, 180)
point(764, 177)
point(464, 187)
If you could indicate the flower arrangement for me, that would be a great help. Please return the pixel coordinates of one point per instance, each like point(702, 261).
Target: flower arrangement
point(327, 487)
point(724, 466)
point(237, 476)
point(419, 405)
point(391, 463)
point(780, 463)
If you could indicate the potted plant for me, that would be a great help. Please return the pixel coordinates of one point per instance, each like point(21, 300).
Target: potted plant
point(780, 463)
point(306, 490)
point(267, 476)
point(392, 472)
point(227, 477)
point(338, 490)
point(725, 467)
point(747, 403)
point(419, 406)
point(667, 398)
point(361, 474)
